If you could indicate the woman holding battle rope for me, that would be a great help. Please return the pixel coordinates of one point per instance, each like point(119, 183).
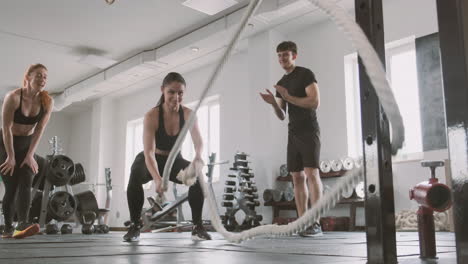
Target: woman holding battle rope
point(162, 125)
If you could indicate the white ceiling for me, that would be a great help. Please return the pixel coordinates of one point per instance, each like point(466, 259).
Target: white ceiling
point(59, 33)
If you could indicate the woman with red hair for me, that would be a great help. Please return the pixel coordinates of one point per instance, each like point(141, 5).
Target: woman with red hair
point(26, 111)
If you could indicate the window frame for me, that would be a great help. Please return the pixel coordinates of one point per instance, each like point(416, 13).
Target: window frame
point(352, 92)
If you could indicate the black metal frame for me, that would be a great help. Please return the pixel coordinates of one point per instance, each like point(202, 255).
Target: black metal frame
point(380, 211)
point(453, 35)
point(380, 208)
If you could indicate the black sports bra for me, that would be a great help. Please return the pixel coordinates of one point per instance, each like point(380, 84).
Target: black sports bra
point(20, 118)
point(163, 140)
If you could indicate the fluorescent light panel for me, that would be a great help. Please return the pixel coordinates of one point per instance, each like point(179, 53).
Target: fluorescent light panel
point(209, 7)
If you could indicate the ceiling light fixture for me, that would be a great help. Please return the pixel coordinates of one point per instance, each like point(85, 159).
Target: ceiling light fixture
point(110, 2)
point(195, 49)
point(209, 7)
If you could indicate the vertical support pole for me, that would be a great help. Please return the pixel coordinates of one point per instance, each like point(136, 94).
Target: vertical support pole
point(426, 232)
point(453, 34)
point(380, 208)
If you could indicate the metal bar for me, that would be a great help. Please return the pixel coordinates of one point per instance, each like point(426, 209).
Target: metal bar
point(380, 208)
point(176, 204)
point(453, 26)
point(44, 203)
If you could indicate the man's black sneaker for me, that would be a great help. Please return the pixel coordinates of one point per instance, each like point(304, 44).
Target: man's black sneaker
point(313, 231)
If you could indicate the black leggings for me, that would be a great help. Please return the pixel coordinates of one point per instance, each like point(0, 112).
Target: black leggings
point(140, 175)
point(19, 184)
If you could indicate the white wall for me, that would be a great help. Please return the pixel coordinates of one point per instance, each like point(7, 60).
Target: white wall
point(80, 132)
point(97, 137)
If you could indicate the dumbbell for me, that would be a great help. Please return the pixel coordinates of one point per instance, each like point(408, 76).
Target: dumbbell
point(51, 229)
point(247, 175)
point(101, 229)
point(228, 197)
point(245, 189)
point(105, 229)
point(87, 229)
point(241, 163)
point(66, 229)
point(243, 169)
point(248, 184)
point(230, 183)
point(251, 196)
point(229, 189)
point(227, 204)
point(252, 203)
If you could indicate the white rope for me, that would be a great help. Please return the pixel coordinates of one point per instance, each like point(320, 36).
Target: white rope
point(377, 76)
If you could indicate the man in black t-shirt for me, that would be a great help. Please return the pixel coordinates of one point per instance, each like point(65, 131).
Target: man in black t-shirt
point(298, 92)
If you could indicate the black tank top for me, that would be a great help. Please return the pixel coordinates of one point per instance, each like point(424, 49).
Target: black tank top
point(20, 118)
point(163, 140)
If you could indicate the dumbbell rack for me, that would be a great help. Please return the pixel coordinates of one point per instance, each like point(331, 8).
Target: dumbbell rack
point(58, 171)
point(240, 194)
point(42, 178)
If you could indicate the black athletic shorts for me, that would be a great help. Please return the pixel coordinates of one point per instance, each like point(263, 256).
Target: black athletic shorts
point(303, 150)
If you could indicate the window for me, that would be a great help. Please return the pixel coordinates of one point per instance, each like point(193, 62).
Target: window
point(208, 122)
point(134, 145)
point(402, 74)
point(353, 106)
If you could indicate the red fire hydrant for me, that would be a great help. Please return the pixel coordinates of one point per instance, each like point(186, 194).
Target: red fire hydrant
point(431, 196)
